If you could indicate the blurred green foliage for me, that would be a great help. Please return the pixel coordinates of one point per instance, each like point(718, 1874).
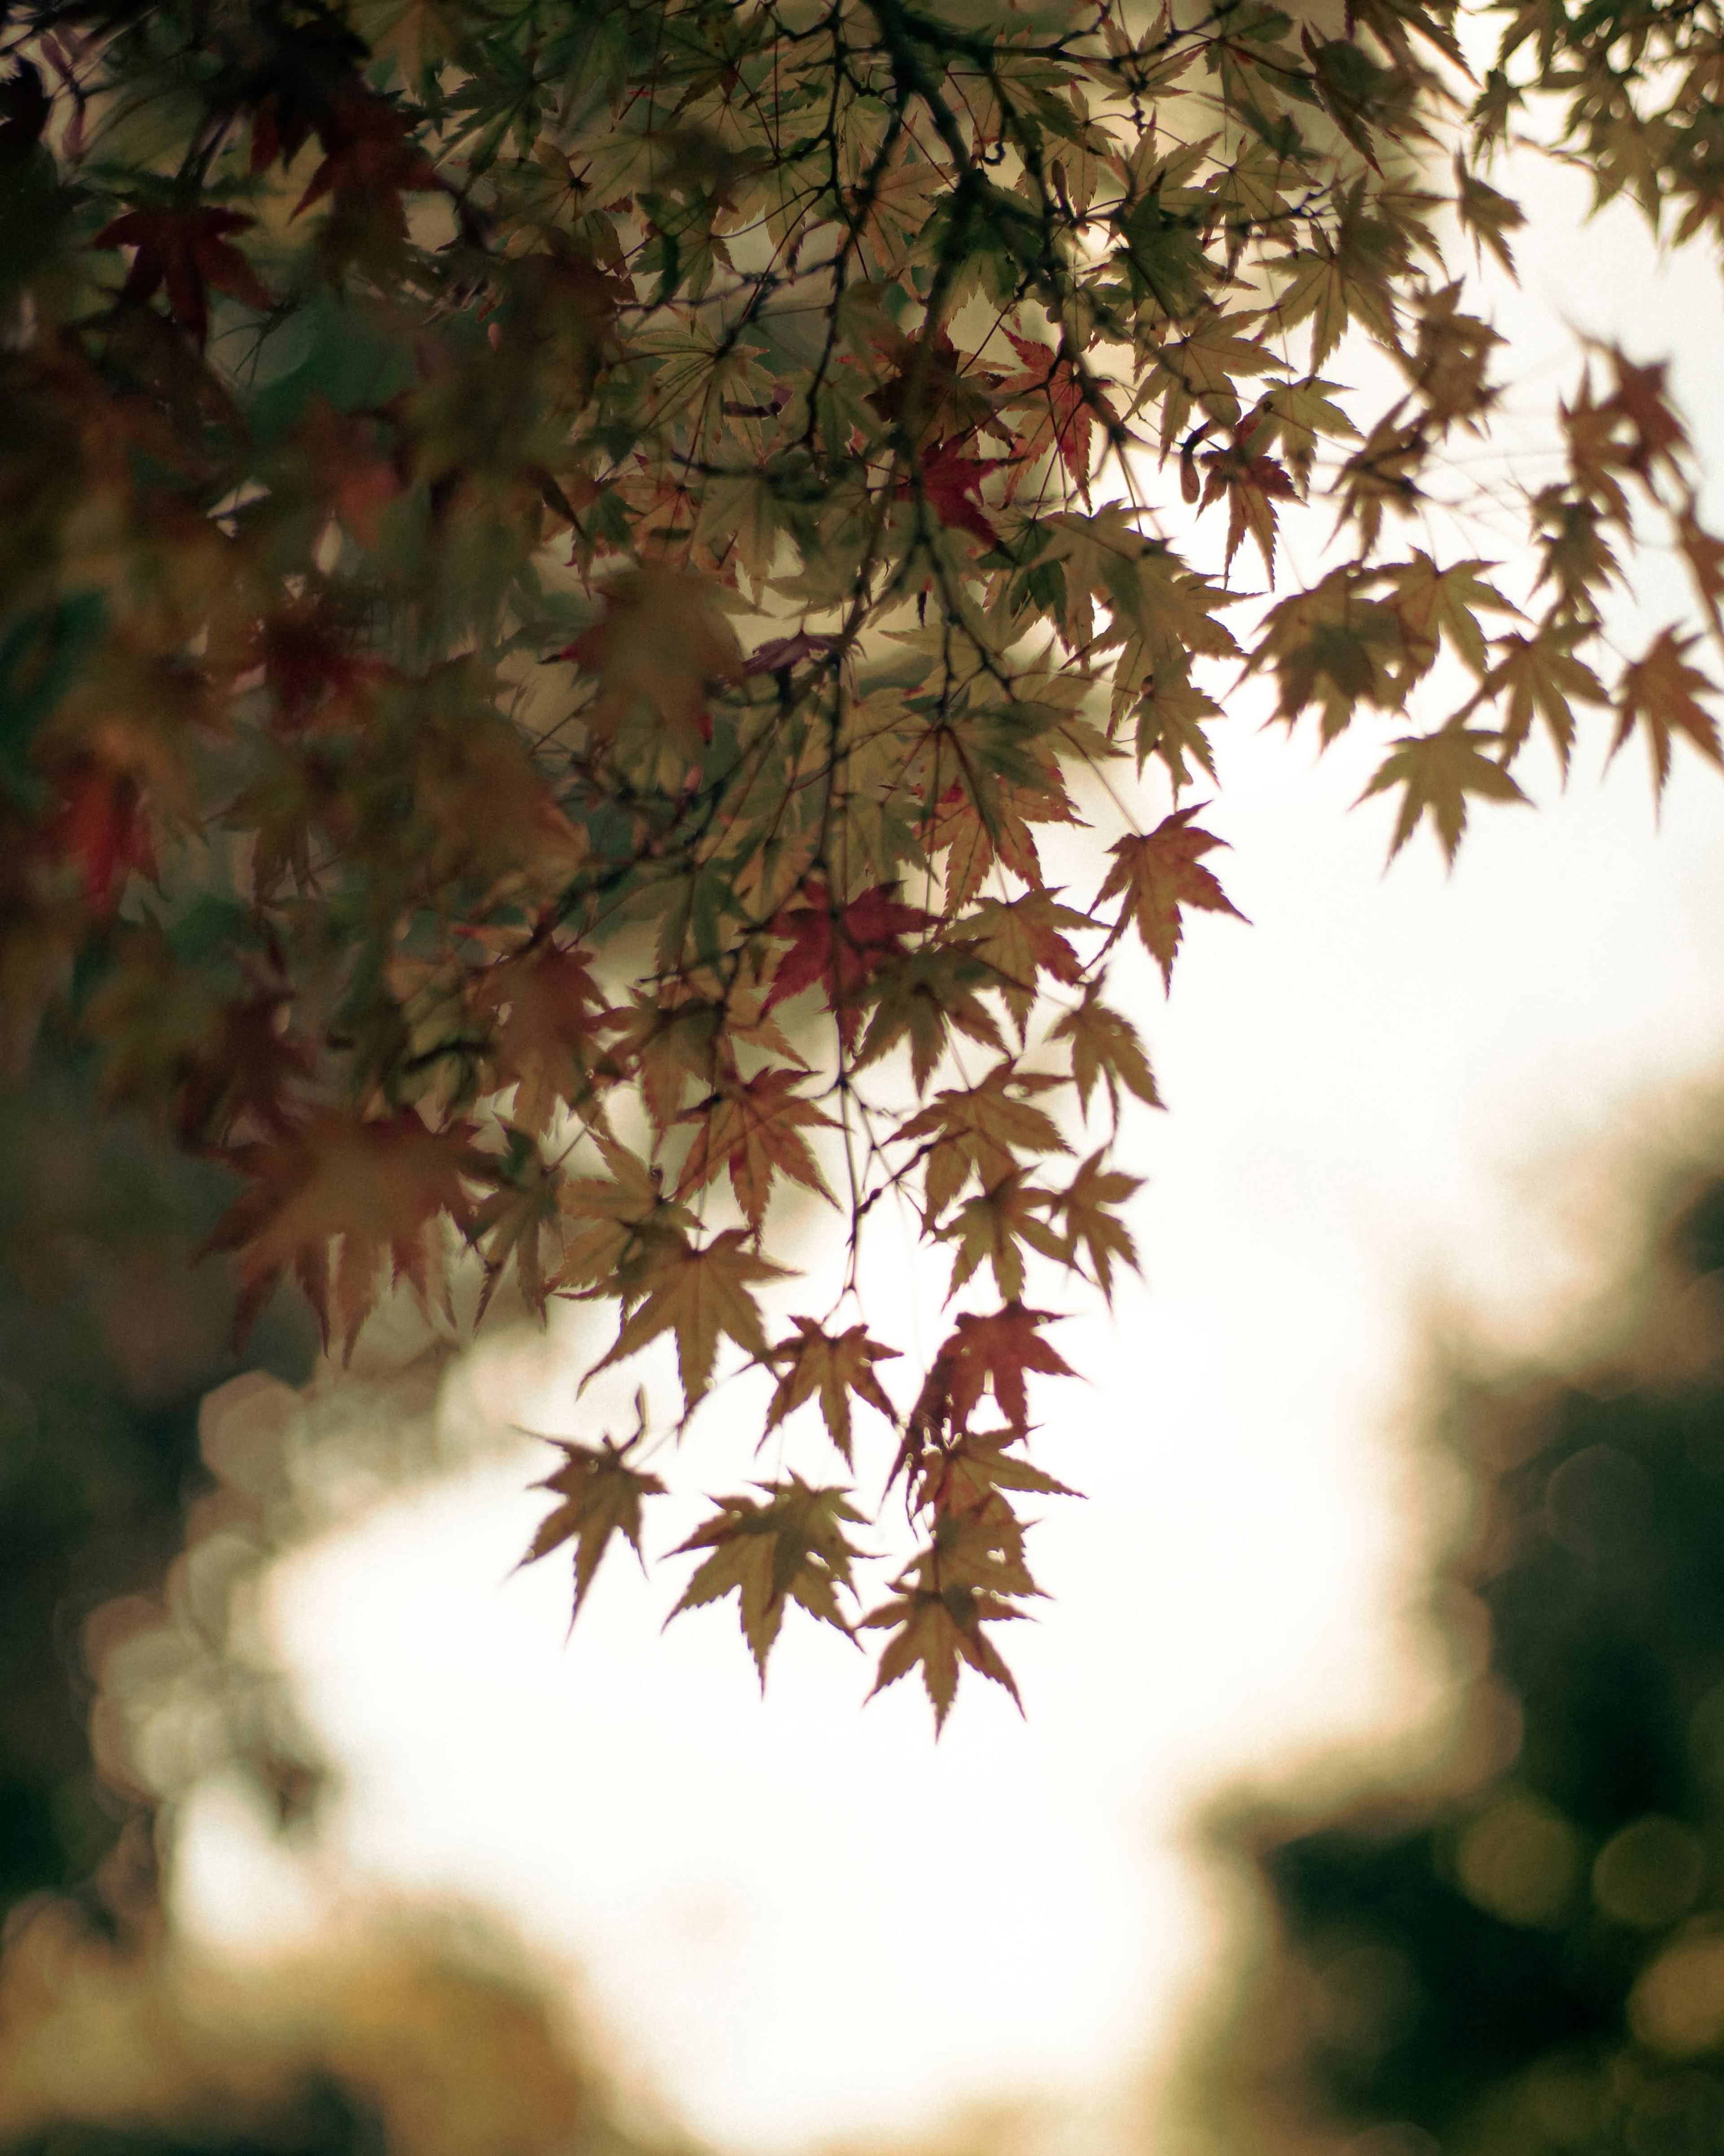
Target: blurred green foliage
point(109, 1338)
point(1535, 1961)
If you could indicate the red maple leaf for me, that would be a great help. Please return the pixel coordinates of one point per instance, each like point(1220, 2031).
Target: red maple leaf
point(996, 1350)
point(1070, 414)
point(317, 673)
point(844, 947)
point(102, 828)
point(951, 482)
point(189, 251)
point(370, 162)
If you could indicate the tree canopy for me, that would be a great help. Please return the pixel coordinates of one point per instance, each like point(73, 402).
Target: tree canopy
point(562, 561)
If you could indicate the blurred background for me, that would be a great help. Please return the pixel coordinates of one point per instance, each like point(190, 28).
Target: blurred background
point(1371, 1785)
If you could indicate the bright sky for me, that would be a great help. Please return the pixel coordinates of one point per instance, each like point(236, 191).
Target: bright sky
point(799, 1920)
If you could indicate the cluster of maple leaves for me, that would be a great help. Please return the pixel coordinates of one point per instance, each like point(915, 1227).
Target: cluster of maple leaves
point(556, 560)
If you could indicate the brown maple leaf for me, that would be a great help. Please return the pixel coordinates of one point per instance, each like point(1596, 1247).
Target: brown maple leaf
point(698, 1293)
point(1157, 874)
point(1068, 419)
point(549, 1019)
point(936, 1614)
point(1105, 1045)
point(753, 1127)
point(790, 1548)
point(834, 1365)
point(1657, 695)
point(372, 1192)
point(1252, 485)
point(601, 1496)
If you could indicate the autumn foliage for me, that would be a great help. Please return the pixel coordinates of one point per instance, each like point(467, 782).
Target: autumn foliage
point(562, 564)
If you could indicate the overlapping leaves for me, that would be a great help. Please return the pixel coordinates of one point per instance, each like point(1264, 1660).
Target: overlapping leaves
point(562, 566)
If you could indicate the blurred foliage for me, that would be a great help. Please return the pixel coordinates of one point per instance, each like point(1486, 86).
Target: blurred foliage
point(1533, 1962)
point(108, 1341)
point(144, 1492)
point(420, 2035)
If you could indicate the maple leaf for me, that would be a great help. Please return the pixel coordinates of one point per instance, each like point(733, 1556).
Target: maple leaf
point(670, 1042)
point(790, 1548)
point(189, 251)
point(621, 1225)
point(1069, 412)
point(1641, 402)
point(968, 1474)
point(1170, 716)
point(314, 665)
point(835, 1366)
point(992, 1224)
point(513, 1221)
point(1105, 1045)
point(1335, 646)
point(1705, 557)
point(549, 1019)
point(994, 1350)
point(1439, 772)
point(1020, 939)
point(698, 1293)
point(937, 1626)
point(974, 1129)
point(101, 827)
point(660, 643)
point(1540, 677)
point(753, 1128)
point(376, 1190)
point(600, 1496)
point(1484, 214)
point(1157, 874)
point(1252, 484)
point(339, 453)
point(843, 947)
point(1088, 1204)
point(370, 162)
point(1657, 695)
point(951, 483)
point(1430, 602)
point(921, 997)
